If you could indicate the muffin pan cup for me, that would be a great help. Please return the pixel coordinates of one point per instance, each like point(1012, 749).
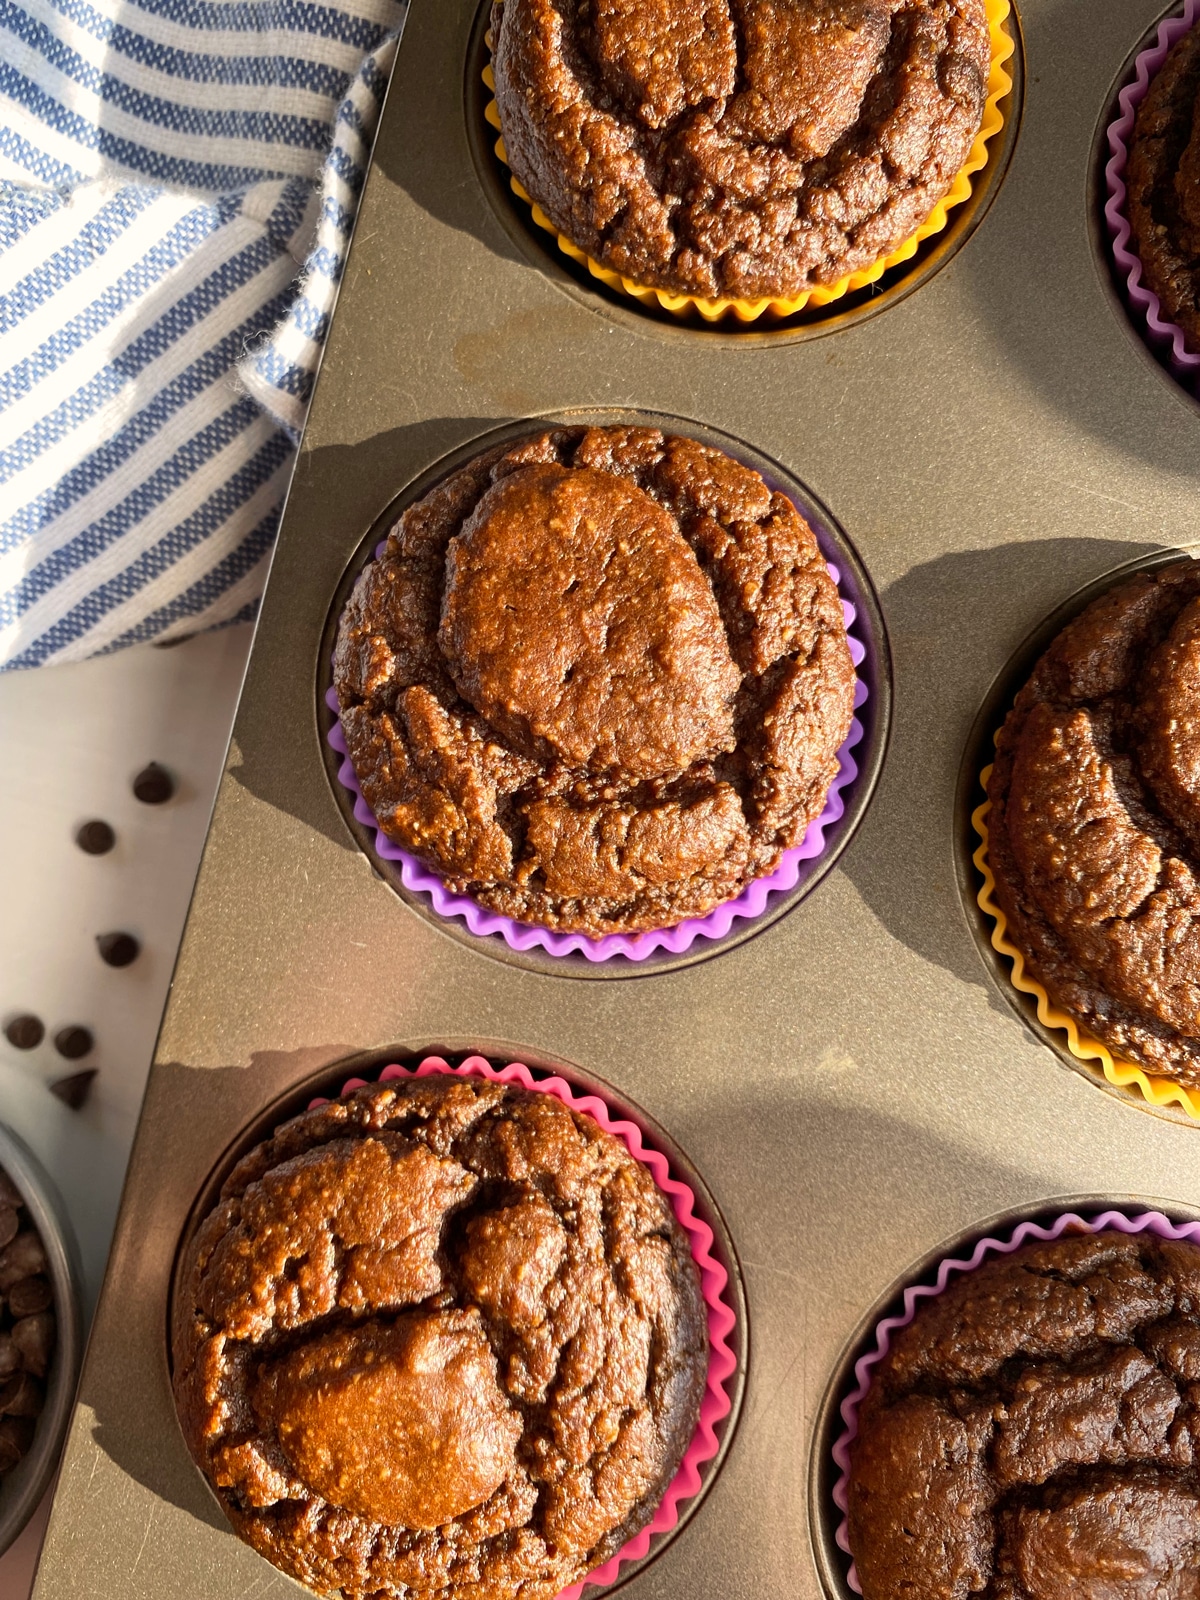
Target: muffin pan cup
point(999, 102)
point(1074, 1045)
point(1164, 337)
point(872, 1349)
point(763, 899)
point(852, 1082)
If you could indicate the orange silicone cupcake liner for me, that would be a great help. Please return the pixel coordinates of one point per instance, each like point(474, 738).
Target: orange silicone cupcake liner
point(1121, 1074)
point(999, 86)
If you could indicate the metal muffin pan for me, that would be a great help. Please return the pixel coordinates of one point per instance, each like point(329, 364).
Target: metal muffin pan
point(850, 1084)
point(873, 716)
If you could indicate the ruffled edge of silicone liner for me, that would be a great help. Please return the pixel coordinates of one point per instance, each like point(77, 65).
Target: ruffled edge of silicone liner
point(999, 86)
point(1166, 335)
point(722, 1362)
point(752, 901)
point(1121, 1074)
point(1120, 1221)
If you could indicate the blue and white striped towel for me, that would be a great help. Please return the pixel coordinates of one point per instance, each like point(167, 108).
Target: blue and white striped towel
point(178, 179)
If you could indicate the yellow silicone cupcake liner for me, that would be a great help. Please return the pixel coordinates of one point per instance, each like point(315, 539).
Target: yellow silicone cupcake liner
point(999, 85)
point(1121, 1074)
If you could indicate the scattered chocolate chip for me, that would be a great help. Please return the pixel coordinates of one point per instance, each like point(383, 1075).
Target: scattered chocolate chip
point(169, 644)
point(95, 838)
point(31, 1295)
point(33, 1340)
point(153, 785)
point(25, 1032)
point(74, 1089)
point(73, 1042)
point(23, 1258)
point(117, 949)
point(9, 1223)
point(21, 1396)
point(16, 1435)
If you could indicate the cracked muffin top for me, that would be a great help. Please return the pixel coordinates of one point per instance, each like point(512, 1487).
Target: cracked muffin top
point(1094, 831)
point(597, 679)
point(746, 148)
point(1163, 182)
point(1034, 1432)
point(440, 1337)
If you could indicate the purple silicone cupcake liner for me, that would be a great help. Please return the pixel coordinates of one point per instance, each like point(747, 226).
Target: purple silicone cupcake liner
point(752, 901)
point(1069, 1222)
point(1166, 337)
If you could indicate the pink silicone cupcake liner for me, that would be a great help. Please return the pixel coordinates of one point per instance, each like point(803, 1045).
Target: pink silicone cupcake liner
point(1164, 336)
point(752, 901)
point(722, 1362)
point(1069, 1222)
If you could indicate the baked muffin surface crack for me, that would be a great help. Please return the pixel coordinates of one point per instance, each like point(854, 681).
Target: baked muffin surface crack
point(442, 1337)
point(597, 679)
point(739, 147)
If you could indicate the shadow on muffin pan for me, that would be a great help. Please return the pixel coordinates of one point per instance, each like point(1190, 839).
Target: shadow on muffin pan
point(540, 249)
point(970, 796)
point(1105, 201)
point(873, 714)
point(846, 1388)
point(332, 1082)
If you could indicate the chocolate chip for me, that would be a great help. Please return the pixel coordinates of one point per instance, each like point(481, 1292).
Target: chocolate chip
point(73, 1042)
point(16, 1435)
point(25, 1032)
point(12, 1357)
point(95, 838)
point(9, 1223)
point(31, 1295)
point(33, 1340)
point(118, 949)
point(21, 1396)
point(74, 1089)
point(169, 644)
point(23, 1258)
point(153, 785)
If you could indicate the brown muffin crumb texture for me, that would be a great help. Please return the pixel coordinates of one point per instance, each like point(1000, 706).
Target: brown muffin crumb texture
point(442, 1337)
point(598, 679)
point(1095, 822)
point(1034, 1433)
point(739, 147)
point(1163, 182)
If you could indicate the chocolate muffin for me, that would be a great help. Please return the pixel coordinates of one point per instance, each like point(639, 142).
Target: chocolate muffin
point(1094, 829)
point(1163, 182)
point(739, 147)
point(597, 680)
point(1034, 1432)
point(441, 1337)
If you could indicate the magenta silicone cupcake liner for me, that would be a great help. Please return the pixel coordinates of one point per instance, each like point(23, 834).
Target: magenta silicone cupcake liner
point(1069, 1222)
point(722, 1363)
point(752, 901)
point(1164, 336)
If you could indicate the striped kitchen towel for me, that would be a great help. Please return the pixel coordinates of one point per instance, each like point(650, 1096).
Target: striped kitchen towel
point(178, 179)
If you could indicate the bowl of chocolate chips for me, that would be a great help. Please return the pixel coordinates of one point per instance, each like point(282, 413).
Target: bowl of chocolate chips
point(40, 1333)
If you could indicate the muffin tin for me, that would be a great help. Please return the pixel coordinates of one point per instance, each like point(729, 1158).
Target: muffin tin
point(851, 1084)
